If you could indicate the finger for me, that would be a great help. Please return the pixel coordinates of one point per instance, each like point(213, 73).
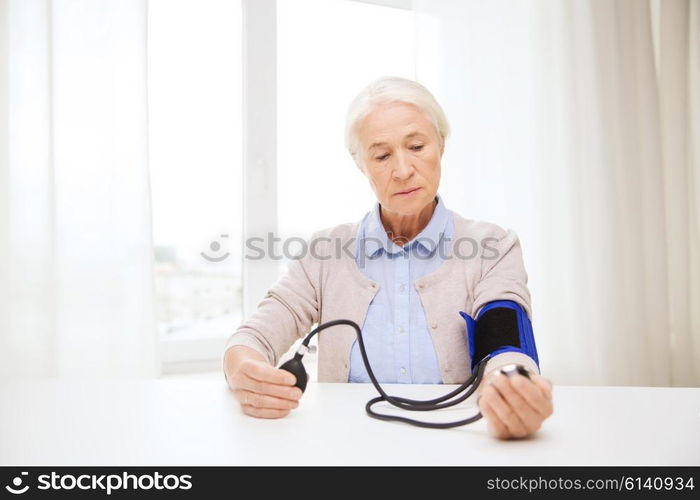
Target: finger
point(507, 414)
point(486, 381)
point(535, 397)
point(530, 418)
point(248, 398)
point(545, 385)
point(268, 373)
point(496, 427)
point(264, 412)
point(279, 391)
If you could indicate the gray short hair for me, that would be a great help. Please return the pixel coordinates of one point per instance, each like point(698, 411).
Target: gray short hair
point(392, 89)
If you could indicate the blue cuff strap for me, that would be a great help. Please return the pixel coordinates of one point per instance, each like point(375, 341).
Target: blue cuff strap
point(501, 326)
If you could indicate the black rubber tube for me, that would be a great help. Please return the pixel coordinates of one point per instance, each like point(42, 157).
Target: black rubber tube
point(445, 401)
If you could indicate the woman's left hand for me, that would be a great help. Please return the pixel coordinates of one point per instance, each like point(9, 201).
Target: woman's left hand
point(515, 406)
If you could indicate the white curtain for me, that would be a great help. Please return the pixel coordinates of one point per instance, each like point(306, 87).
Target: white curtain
point(577, 123)
point(76, 288)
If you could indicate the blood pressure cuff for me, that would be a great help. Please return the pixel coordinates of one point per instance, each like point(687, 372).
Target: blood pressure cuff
point(501, 326)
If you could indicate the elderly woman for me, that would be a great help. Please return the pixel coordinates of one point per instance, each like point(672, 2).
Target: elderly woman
point(403, 281)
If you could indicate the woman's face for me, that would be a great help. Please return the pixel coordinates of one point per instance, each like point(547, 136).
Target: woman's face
point(401, 150)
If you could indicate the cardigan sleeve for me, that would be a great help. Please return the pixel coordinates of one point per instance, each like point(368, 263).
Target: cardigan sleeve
point(286, 313)
point(503, 277)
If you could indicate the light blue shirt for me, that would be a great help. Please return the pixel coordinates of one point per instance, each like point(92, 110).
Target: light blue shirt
point(395, 332)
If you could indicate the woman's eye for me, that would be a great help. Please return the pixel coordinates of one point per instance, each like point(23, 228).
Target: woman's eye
point(416, 147)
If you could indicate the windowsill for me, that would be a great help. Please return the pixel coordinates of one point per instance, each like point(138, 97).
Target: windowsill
point(220, 327)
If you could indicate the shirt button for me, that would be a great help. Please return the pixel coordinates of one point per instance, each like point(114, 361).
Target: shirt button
point(403, 371)
point(401, 329)
point(402, 288)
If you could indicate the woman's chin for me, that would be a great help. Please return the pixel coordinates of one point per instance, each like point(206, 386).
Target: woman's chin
point(408, 206)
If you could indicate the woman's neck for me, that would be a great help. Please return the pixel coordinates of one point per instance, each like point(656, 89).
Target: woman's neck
point(403, 228)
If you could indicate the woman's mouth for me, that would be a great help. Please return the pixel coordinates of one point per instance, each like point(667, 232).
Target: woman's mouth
point(408, 192)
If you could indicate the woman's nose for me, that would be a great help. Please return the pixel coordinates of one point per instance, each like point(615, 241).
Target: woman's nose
point(403, 167)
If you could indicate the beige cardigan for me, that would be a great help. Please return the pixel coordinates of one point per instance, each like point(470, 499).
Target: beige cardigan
point(483, 263)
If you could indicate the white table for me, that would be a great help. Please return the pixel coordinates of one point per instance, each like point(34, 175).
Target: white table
point(198, 422)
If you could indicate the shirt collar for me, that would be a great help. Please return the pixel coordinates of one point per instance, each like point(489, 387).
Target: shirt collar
point(374, 237)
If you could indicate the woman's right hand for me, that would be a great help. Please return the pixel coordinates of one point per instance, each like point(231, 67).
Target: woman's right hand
point(262, 390)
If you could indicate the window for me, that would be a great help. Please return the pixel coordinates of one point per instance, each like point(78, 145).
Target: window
point(325, 52)
point(195, 140)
